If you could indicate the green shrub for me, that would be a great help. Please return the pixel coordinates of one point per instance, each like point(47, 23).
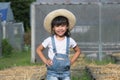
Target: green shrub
point(6, 48)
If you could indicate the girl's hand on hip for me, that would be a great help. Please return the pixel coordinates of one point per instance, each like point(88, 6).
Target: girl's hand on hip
point(49, 62)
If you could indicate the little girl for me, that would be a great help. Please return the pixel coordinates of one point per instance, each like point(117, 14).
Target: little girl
point(59, 23)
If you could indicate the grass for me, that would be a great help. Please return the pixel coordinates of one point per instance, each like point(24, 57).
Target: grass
point(104, 61)
point(84, 76)
point(17, 58)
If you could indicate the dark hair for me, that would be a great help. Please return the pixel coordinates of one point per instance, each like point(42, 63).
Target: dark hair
point(60, 20)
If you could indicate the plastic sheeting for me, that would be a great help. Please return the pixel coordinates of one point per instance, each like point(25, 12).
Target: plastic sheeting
point(6, 11)
point(97, 27)
point(76, 1)
point(15, 35)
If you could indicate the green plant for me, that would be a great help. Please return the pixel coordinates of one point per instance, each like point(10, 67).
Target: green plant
point(105, 60)
point(74, 78)
point(6, 48)
point(84, 75)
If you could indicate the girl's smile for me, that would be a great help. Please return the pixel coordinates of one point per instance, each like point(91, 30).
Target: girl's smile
point(60, 30)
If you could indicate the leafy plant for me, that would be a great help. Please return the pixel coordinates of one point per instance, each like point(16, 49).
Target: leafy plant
point(6, 48)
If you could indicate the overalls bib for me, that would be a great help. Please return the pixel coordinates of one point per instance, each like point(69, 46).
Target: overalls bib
point(61, 62)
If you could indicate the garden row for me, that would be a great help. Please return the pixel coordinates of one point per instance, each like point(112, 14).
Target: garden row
point(83, 70)
point(104, 72)
point(23, 73)
point(116, 57)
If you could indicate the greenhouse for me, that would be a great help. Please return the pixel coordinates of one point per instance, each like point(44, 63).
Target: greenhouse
point(96, 32)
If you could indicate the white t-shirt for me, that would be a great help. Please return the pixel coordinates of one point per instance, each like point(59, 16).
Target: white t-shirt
point(60, 46)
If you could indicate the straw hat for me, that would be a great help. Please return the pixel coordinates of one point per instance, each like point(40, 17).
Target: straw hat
point(59, 12)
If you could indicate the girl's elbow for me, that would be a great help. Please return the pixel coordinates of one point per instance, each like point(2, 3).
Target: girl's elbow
point(79, 51)
point(38, 49)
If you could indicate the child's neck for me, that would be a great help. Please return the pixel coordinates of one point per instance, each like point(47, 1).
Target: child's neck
point(60, 37)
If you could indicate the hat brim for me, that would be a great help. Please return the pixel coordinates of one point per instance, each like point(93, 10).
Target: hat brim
point(59, 12)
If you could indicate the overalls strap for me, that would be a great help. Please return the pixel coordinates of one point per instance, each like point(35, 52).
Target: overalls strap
point(54, 46)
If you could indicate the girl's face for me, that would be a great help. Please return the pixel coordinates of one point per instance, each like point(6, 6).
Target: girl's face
point(60, 30)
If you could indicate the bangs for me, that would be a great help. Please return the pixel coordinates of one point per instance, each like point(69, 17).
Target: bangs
point(60, 20)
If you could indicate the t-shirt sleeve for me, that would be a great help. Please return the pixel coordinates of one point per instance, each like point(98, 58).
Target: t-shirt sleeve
point(45, 43)
point(72, 43)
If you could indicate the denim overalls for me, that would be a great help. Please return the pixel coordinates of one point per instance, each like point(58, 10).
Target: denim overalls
point(61, 62)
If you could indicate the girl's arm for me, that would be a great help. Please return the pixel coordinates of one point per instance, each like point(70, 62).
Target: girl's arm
point(39, 51)
point(76, 55)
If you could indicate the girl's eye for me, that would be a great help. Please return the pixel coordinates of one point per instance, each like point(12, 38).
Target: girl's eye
point(63, 25)
point(56, 26)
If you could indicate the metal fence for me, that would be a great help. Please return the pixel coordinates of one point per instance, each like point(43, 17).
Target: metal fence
point(97, 28)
